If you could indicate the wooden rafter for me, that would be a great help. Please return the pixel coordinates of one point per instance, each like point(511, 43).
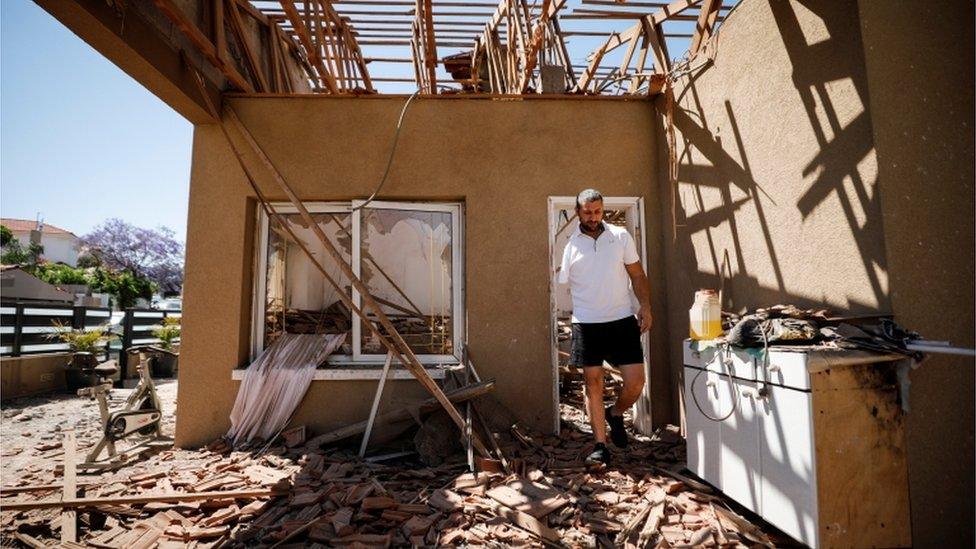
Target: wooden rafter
point(311, 49)
point(649, 30)
point(253, 60)
point(705, 25)
point(202, 43)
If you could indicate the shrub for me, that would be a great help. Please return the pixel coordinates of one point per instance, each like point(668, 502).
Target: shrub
point(168, 332)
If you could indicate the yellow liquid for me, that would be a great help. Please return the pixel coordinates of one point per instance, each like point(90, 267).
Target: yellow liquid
point(707, 329)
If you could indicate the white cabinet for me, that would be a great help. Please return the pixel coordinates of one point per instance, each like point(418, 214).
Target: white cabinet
point(803, 442)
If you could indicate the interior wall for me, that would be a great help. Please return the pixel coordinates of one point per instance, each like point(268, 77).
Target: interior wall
point(919, 59)
point(502, 158)
point(812, 173)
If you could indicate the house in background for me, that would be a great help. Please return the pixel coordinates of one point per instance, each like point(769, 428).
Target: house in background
point(60, 245)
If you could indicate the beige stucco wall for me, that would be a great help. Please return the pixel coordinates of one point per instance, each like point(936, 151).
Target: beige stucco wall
point(827, 181)
point(921, 95)
point(502, 158)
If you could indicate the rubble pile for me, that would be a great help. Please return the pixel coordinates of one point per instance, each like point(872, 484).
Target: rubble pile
point(541, 494)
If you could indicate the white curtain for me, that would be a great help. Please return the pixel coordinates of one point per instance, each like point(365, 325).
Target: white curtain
point(276, 382)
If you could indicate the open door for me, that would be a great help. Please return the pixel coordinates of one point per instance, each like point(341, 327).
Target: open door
point(626, 212)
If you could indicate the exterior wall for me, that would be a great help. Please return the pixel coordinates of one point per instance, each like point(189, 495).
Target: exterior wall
point(921, 94)
point(777, 184)
point(58, 248)
point(502, 158)
point(800, 162)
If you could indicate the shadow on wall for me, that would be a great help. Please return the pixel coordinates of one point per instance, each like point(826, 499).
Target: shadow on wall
point(723, 227)
point(776, 199)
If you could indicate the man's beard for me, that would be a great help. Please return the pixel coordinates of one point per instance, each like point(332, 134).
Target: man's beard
point(591, 226)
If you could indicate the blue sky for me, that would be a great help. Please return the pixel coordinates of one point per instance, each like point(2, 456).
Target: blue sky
point(81, 141)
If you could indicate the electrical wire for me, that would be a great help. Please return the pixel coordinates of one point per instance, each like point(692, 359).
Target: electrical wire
point(735, 392)
point(389, 161)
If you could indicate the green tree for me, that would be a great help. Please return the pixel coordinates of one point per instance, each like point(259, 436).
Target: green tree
point(6, 235)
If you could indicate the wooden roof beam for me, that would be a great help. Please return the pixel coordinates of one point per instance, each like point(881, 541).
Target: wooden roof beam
point(615, 40)
point(311, 50)
point(707, 18)
point(202, 43)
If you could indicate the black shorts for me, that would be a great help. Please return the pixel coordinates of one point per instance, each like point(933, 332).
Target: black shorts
point(618, 342)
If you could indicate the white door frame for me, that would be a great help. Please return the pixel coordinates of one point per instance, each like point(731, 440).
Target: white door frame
point(641, 410)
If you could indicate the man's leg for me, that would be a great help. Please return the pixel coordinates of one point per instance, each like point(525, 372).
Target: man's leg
point(633, 375)
point(593, 375)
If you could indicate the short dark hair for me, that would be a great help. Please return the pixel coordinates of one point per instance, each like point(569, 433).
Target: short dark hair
point(587, 195)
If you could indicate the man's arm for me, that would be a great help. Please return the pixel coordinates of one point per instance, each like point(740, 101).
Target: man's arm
point(642, 289)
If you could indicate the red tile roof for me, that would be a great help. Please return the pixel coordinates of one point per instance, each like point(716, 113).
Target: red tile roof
point(27, 225)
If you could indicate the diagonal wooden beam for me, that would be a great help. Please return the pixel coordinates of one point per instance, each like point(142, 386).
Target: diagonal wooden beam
point(202, 43)
point(595, 58)
point(426, 20)
point(311, 50)
point(616, 40)
point(253, 61)
point(391, 339)
point(549, 10)
point(399, 345)
point(659, 47)
point(705, 25)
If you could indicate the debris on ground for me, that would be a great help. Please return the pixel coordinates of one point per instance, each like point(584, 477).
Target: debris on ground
point(316, 496)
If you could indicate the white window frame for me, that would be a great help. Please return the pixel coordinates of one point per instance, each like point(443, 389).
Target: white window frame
point(456, 210)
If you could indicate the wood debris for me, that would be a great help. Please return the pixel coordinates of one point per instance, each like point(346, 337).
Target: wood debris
point(324, 494)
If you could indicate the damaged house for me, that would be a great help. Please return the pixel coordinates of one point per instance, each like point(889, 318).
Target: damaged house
point(814, 153)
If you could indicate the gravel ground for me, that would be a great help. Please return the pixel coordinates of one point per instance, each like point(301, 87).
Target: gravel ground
point(31, 428)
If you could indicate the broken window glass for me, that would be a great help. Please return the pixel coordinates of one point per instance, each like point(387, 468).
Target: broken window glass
point(407, 266)
point(299, 299)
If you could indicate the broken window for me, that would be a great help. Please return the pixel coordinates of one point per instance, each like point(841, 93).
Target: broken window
point(298, 298)
point(406, 254)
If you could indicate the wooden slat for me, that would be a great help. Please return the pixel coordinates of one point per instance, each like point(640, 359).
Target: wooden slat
point(254, 63)
point(202, 43)
point(306, 39)
point(616, 40)
point(69, 518)
point(705, 25)
point(73, 503)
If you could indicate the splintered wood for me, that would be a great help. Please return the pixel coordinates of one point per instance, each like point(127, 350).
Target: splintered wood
point(331, 498)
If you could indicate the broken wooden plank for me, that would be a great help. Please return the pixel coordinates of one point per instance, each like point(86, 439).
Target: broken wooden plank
point(69, 517)
point(459, 395)
point(395, 344)
point(138, 499)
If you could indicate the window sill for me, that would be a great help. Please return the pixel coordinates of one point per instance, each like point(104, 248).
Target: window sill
point(364, 372)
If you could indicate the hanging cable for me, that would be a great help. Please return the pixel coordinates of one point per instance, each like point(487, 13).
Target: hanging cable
point(389, 161)
point(735, 390)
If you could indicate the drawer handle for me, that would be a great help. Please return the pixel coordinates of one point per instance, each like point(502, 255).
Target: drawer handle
point(711, 384)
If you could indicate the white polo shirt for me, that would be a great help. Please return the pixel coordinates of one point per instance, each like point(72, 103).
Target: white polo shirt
point(597, 279)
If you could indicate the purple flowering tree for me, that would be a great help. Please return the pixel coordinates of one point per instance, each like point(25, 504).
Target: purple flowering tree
point(151, 253)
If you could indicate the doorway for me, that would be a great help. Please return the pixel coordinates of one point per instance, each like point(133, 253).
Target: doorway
point(627, 212)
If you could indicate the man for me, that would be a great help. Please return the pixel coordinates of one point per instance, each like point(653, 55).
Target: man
point(601, 265)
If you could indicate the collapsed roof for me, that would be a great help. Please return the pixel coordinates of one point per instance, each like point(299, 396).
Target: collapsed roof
point(593, 47)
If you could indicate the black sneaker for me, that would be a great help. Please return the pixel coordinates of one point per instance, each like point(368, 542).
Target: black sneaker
point(618, 433)
point(599, 456)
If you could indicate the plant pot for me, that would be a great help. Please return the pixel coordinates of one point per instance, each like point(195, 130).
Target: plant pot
point(76, 379)
point(78, 372)
point(164, 365)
